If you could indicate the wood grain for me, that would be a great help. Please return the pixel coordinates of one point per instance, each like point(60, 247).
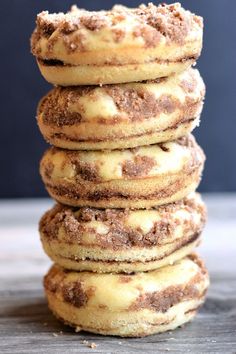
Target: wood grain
point(27, 326)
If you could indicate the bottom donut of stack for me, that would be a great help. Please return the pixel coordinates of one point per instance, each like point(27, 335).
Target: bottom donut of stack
point(128, 305)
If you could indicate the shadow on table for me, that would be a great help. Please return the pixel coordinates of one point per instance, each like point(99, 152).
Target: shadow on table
point(36, 316)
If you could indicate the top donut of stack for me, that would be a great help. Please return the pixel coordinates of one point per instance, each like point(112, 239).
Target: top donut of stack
point(116, 46)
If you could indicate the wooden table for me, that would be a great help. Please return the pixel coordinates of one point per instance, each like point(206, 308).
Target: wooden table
point(27, 326)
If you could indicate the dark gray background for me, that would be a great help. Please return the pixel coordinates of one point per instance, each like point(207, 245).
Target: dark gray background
point(21, 144)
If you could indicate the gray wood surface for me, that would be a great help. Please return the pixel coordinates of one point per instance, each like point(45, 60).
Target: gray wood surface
point(27, 326)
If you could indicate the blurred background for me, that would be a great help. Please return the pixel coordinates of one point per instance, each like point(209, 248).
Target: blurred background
point(21, 144)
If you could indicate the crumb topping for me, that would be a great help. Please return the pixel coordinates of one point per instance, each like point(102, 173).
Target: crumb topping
point(55, 107)
point(74, 294)
point(63, 106)
point(138, 167)
point(150, 22)
point(172, 295)
point(76, 221)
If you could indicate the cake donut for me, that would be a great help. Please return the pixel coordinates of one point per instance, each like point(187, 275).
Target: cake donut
point(116, 46)
point(122, 116)
point(122, 240)
point(132, 305)
point(141, 177)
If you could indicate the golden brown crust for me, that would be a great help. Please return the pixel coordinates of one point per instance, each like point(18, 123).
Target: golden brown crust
point(122, 240)
point(151, 302)
point(172, 295)
point(123, 178)
point(137, 259)
point(151, 23)
point(118, 141)
point(115, 116)
point(88, 40)
point(79, 292)
point(138, 197)
point(63, 106)
point(59, 73)
point(121, 232)
point(127, 164)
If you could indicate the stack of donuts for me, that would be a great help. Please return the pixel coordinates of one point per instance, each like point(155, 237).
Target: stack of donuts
point(123, 167)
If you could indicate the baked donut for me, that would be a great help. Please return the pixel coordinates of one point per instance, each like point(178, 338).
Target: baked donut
point(122, 240)
point(116, 46)
point(132, 178)
point(134, 305)
point(122, 116)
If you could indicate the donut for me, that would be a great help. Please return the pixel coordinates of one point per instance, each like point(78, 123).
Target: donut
point(141, 177)
point(122, 116)
point(133, 305)
point(122, 240)
point(116, 46)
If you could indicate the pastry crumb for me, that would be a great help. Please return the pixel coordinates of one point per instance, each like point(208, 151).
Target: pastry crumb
point(89, 345)
point(93, 345)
